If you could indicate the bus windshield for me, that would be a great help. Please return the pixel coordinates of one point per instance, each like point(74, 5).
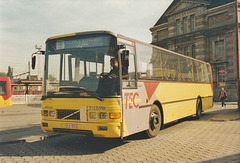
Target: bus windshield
point(75, 66)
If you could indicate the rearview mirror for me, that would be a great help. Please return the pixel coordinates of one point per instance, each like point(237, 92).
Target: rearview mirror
point(34, 57)
point(33, 62)
point(121, 47)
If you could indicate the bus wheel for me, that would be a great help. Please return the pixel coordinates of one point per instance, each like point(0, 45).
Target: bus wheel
point(198, 109)
point(155, 121)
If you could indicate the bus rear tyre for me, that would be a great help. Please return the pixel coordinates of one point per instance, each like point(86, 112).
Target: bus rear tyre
point(198, 109)
point(155, 122)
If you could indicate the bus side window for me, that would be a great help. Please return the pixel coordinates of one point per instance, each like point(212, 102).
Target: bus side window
point(148, 62)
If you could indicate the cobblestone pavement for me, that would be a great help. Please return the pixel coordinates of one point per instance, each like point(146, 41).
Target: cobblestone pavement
point(214, 138)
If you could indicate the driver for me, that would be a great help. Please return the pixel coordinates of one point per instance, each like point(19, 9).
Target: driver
point(115, 70)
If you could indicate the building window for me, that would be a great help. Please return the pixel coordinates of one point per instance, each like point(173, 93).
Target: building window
point(192, 22)
point(194, 51)
point(187, 51)
point(221, 77)
point(179, 50)
point(178, 26)
point(158, 35)
point(219, 48)
point(185, 24)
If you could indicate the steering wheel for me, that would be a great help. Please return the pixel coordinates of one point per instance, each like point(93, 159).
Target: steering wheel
point(108, 75)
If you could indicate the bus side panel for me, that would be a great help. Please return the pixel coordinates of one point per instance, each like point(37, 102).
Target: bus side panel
point(206, 94)
point(179, 99)
point(207, 103)
point(135, 118)
point(179, 110)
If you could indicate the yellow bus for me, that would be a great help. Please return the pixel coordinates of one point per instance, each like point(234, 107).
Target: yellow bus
point(150, 86)
point(5, 92)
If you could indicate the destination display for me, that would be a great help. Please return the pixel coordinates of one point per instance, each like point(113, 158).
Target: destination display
point(83, 42)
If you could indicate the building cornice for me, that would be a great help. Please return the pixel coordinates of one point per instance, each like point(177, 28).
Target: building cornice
point(193, 4)
point(160, 26)
point(219, 62)
point(222, 7)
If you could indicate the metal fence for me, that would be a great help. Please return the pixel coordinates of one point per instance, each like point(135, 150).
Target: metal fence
point(26, 99)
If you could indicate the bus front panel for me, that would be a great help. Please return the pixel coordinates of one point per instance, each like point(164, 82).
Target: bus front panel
point(85, 116)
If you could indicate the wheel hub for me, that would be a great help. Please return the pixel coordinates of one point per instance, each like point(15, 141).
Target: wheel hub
point(154, 121)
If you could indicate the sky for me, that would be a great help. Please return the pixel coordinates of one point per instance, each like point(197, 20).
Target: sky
point(25, 23)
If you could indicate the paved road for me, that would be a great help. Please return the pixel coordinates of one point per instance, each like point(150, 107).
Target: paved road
point(214, 138)
point(20, 122)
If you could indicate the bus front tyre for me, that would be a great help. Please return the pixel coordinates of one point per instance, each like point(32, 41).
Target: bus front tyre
point(155, 122)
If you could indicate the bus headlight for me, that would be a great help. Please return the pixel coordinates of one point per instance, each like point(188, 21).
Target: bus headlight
point(103, 115)
point(44, 113)
point(114, 115)
point(52, 114)
point(93, 115)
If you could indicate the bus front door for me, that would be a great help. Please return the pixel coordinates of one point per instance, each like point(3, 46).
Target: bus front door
point(134, 118)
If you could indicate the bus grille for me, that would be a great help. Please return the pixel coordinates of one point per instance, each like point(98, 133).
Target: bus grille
point(65, 114)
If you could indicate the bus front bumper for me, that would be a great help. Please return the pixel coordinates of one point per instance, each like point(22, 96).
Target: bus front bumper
point(110, 130)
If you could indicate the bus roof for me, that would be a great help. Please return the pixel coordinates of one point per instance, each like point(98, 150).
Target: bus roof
point(4, 78)
point(81, 33)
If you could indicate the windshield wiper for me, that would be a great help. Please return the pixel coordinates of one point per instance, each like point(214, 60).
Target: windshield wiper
point(95, 95)
point(73, 89)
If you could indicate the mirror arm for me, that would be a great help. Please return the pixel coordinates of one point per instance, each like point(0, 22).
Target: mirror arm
point(121, 47)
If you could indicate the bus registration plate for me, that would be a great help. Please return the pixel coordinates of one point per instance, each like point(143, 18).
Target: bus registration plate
point(72, 126)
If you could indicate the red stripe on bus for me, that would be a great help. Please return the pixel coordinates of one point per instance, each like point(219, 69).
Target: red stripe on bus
point(150, 88)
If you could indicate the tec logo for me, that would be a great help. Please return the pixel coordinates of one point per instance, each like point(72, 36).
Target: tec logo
point(130, 100)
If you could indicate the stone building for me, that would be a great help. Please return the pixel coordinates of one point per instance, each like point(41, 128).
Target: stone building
point(205, 30)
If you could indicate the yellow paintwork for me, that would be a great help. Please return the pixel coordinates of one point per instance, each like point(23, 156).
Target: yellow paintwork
point(125, 130)
point(111, 106)
point(61, 36)
point(179, 99)
point(5, 103)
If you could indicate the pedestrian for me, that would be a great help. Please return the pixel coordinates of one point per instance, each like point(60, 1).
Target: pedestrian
point(223, 97)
